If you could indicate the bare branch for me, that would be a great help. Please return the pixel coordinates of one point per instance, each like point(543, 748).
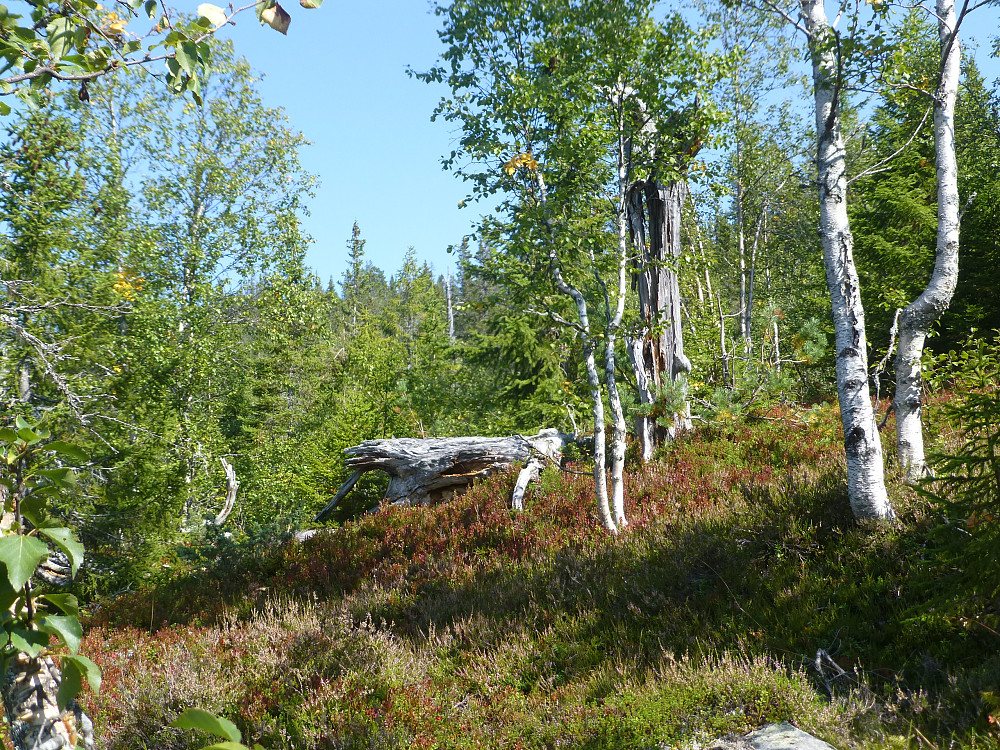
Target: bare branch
point(876, 168)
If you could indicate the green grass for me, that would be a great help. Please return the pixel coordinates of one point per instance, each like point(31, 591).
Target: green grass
point(468, 626)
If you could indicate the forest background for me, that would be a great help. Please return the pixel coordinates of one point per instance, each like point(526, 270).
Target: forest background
point(189, 331)
point(168, 323)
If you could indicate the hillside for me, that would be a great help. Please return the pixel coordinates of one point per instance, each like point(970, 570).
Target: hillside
point(465, 625)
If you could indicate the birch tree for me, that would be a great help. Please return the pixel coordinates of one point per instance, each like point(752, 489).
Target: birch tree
point(74, 43)
point(500, 65)
point(562, 103)
point(917, 318)
point(862, 444)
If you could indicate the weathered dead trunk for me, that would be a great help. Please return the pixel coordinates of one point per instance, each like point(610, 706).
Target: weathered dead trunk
point(645, 379)
point(916, 320)
point(451, 310)
point(658, 354)
point(34, 719)
point(862, 444)
point(422, 471)
point(232, 486)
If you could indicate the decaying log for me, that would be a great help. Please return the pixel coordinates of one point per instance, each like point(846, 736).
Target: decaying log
point(422, 471)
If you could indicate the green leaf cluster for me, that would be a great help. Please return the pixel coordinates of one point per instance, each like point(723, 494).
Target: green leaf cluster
point(29, 617)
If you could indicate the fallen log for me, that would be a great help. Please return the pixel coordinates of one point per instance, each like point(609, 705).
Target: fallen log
point(423, 471)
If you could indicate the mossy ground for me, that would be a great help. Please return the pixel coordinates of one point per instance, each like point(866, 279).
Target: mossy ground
point(468, 626)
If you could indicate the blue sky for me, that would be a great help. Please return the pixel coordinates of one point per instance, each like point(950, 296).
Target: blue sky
point(340, 76)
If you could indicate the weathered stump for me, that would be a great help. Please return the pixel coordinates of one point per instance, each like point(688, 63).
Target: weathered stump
point(423, 471)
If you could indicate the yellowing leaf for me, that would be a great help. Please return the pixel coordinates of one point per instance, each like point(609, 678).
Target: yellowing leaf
point(310, 3)
point(277, 18)
point(521, 160)
point(113, 24)
point(215, 15)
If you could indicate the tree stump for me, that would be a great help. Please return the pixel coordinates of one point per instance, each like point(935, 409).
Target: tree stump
point(422, 471)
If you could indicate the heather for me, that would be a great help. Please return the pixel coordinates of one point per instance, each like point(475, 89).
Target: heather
point(467, 625)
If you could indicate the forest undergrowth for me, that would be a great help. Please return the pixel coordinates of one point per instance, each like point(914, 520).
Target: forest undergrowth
point(466, 625)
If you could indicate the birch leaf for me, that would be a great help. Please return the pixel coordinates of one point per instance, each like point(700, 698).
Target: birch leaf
point(21, 555)
point(277, 18)
point(196, 718)
point(215, 15)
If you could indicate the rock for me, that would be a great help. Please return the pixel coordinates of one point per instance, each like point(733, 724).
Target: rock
point(784, 736)
point(781, 736)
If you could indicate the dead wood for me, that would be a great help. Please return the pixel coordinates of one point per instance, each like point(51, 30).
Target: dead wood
point(422, 471)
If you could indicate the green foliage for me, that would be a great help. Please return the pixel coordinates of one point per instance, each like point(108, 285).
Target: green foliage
point(670, 399)
point(977, 133)
point(196, 718)
point(966, 481)
point(26, 489)
point(81, 41)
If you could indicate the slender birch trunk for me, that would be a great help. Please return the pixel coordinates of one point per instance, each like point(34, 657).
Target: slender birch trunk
point(917, 319)
point(862, 445)
point(593, 378)
point(741, 250)
point(619, 427)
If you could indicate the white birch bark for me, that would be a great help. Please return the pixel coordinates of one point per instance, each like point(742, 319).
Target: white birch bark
point(742, 258)
point(35, 722)
point(232, 487)
point(593, 378)
point(917, 319)
point(619, 427)
point(862, 445)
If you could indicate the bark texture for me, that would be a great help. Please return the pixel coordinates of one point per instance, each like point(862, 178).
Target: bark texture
point(658, 354)
point(36, 723)
point(862, 445)
point(917, 318)
point(423, 471)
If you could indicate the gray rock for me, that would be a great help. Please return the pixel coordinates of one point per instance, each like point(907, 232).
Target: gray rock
point(781, 736)
point(784, 736)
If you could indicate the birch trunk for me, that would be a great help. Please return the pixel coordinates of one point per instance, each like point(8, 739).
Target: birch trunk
point(862, 445)
point(917, 319)
point(593, 378)
point(619, 428)
point(232, 487)
point(35, 721)
point(451, 310)
point(742, 257)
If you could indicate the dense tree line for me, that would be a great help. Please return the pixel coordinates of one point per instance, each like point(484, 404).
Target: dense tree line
point(159, 309)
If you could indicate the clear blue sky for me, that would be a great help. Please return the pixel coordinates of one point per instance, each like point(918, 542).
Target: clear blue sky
point(340, 76)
